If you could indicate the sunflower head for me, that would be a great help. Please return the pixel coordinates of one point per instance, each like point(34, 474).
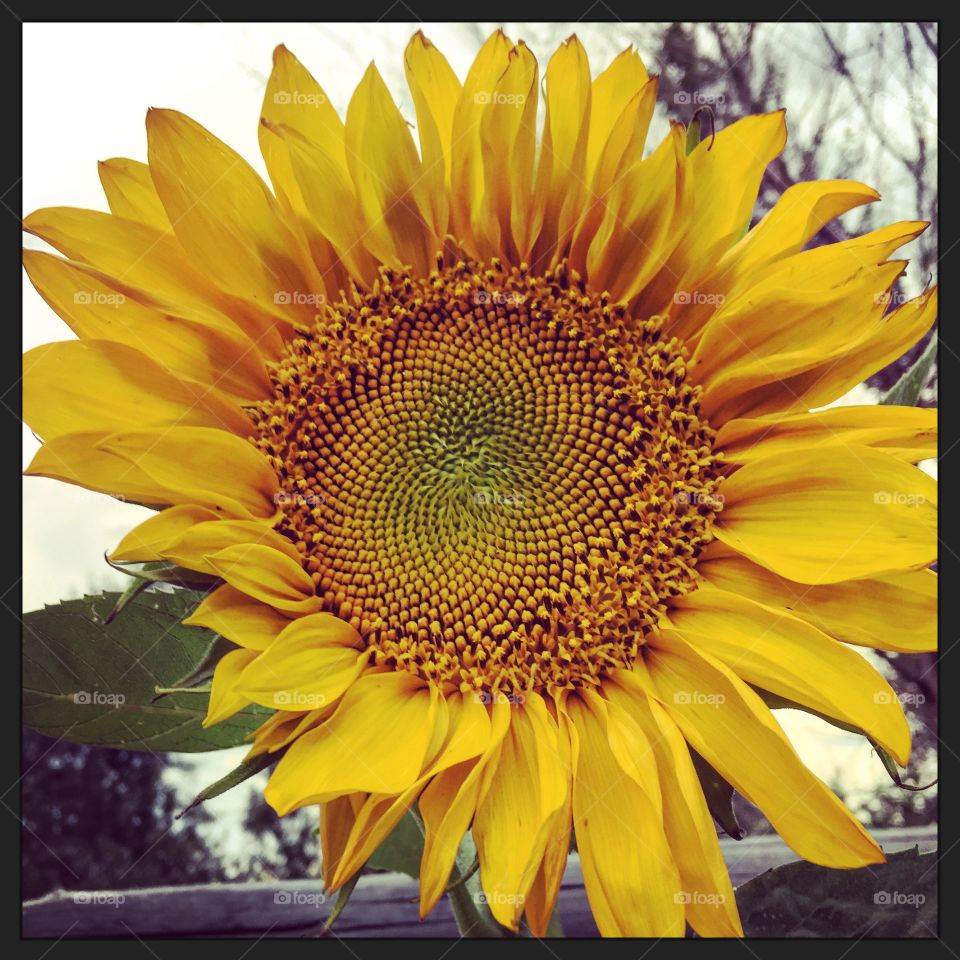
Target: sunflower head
point(494, 477)
point(503, 452)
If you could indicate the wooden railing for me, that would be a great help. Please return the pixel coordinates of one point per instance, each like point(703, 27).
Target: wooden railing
point(383, 905)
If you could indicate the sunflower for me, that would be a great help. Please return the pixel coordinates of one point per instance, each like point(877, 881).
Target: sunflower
point(504, 452)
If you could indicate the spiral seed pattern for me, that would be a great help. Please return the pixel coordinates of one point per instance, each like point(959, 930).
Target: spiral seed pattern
point(499, 479)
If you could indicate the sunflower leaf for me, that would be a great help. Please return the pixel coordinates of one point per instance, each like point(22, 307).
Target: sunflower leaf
point(402, 851)
point(719, 796)
point(93, 682)
point(160, 571)
point(343, 898)
point(244, 771)
point(776, 702)
point(906, 391)
point(893, 899)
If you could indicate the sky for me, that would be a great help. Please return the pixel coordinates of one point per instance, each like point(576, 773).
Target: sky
point(86, 91)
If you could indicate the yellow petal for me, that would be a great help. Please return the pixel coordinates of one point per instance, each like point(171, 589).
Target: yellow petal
point(295, 108)
point(98, 308)
point(200, 465)
point(561, 172)
point(640, 221)
point(872, 514)
point(629, 872)
point(711, 908)
point(907, 433)
point(801, 212)
point(78, 458)
point(613, 90)
point(329, 200)
point(194, 545)
point(227, 220)
point(507, 144)
point(542, 898)
point(435, 90)
point(267, 575)
point(725, 173)
point(785, 655)
point(130, 192)
point(134, 255)
point(241, 619)
point(797, 217)
point(284, 727)
point(337, 817)
point(732, 729)
point(887, 340)
point(515, 819)
point(467, 734)
point(447, 806)
point(743, 347)
point(896, 611)
point(131, 391)
point(145, 541)
point(620, 154)
point(871, 341)
point(307, 666)
point(387, 176)
point(225, 700)
point(374, 742)
point(466, 171)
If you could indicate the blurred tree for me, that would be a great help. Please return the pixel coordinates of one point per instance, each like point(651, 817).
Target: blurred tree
point(98, 819)
point(861, 102)
point(287, 847)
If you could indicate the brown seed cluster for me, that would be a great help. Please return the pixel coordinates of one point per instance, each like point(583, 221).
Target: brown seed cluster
point(499, 479)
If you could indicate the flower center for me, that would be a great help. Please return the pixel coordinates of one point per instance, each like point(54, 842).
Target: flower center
point(499, 479)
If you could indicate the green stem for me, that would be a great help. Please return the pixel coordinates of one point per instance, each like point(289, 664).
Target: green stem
point(471, 913)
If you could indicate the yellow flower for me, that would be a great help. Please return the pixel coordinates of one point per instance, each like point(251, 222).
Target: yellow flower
point(502, 448)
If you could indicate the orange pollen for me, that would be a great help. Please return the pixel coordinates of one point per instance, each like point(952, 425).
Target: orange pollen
point(500, 480)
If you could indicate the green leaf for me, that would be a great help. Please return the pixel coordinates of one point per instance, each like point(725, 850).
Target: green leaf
point(402, 851)
point(719, 795)
point(893, 899)
point(343, 898)
point(555, 927)
point(775, 702)
point(906, 391)
point(244, 771)
point(160, 571)
point(92, 682)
